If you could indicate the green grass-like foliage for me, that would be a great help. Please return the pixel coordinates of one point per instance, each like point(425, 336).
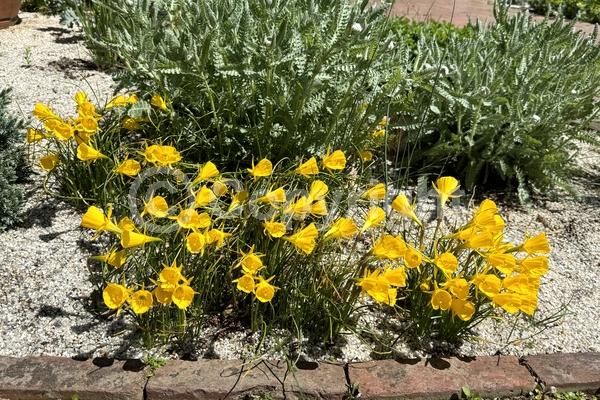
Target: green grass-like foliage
point(11, 163)
point(273, 78)
point(505, 106)
point(584, 10)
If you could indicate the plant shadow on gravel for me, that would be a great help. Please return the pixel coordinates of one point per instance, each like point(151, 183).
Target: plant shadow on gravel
point(42, 214)
point(62, 35)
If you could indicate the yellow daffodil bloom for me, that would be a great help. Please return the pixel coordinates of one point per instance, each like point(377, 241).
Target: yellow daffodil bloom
point(131, 124)
point(318, 190)
point(504, 263)
point(378, 287)
point(263, 169)
point(126, 224)
point(446, 186)
point(114, 258)
point(34, 135)
point(245, 283)
point(447, 262)
point(183, 296)
point(528, 303)
point(335, 161)
point(80, 97)
point(190, 219)
point(319, 208)
point(412, 257)
point(49, 162)
point(162, 156)
point(305, 239)
point(87, 109)
point(208, 171)
point(157, 207)
point(536, 245)
point(441, 300)
point(251, 261)
point(274, 196)
point(458, 287)
point(115, 295)
point(510, 302)
point(378, 133)
point(395, 276)
point(308, 168)
point(534, 266)
point(219, 188)
point(389, 247)
point(365, 155)
point(43, 112)
point(487, 284)
point(63, 131)
point(375, 217)
point(129, 167)
point(482, 240)
point(159, 102)
point(195, 243)
point(300, 208)
point(217, 237)
point(274, 229)
point(94, 218)
point(377, 192)
point(122, 100)
point(463, 309)
point(342, 228)
point(131, 239)
point(88, 153)
point(522, 284)
point(264, 291)
point(204, 196)
point(402, 206)
point(238, 199)
point(141, 301)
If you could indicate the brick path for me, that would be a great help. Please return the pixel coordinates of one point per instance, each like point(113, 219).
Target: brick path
point(463, 11)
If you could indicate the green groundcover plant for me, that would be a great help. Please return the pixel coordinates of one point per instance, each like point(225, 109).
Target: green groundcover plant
point(504, 106)
point(12, 163)
point(584, 10)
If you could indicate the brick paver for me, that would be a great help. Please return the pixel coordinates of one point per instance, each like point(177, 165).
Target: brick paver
point(568, 371)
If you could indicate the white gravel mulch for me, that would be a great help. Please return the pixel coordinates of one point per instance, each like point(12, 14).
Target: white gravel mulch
point(45, 293)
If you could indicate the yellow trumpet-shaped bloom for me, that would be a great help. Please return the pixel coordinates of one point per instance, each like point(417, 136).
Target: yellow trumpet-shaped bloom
point(395, 276)
point(274, 196)
point(308, 168)
point(305, 239)
point(34, 135)
point(365, 155)
point(335, 161)
point(318, 190)
point(441, 300)
point(159, 102)
point(375, 216)
point(534, 266)
point(217, 237)
point(504, 263)
point(206, 172)
point(43, 112)
point(300, 208)
point(447, 262)
point(195, 243)
point(487, 284)
point(129, 167)
point(274, 229)
point(536, 245)
point(263, 290)
point(131, 239)
point(141, 301)
point(510, 302)
point(402, 206)
point(319, 208)
point(190, 219)
point(389, 247)
point(157, 207)
point(49, 162)
point(131, 124)
point(378, 287)
point(263, 169)
point(204, 196)
point(446, 186)
point(245, 283)
point(162, 156)
point(94, 218)
point(251, 261)
point(115, 295)
point(463, 309)
point(183, 296)
point(377, 192)
point(114, 258)
point(342, 228)
point(86, 152)
point(412, 257)
point(238, 199)
point(458, 287)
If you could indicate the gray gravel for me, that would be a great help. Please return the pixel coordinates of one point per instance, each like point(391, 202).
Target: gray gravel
point(45, 305)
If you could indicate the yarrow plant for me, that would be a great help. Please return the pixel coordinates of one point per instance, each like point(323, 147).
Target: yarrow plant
point(297, 245)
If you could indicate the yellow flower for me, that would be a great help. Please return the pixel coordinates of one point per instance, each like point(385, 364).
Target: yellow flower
point(402, 206)
point(217, 236)
point(274, 229)
point(208, 171)
point(263, 290)
point(384, 121)
point(522, 284)
point(389, 247)
point(463, 309)
point(129, 167)
point(162, 156)
point(441, 300)
point(190, 219)
point(126, 224)
point(378, 287)
point(365, 155)
point(171, 276)
point(305, 239)
point(88, 153)
point(504, 263)
point(49, 162)
point(396, 276)
point(219, 188)
point(377, 192)
point(447, 262)
point(141, 301)
point(114, 258)
point(87, 109)
point(262, 169)
point(204, 196)
point(510, 302)
point(308, 168)
point(131, 124)
point(534, 266)
point(43, 112)
point(163, 295)
point(115, 295)
point(183, 296)
point(274, 196)
point(300, 208)
point(458, 287)
point(528, 303)
point(413, 257)
point(87, 124)
point(536, 245)
point(335, 161)
point(245, 283)
point(94, 218)
point(487, 284)
point(319, 208)
point(445, 187)
point(63, 131)
point(34, 135)
point(342, 228)
point(375, 216)
point(251, 262)
point(158, 102)
point(133, 239)
point(378, 133)
point(195, 243)
point(156, 207)
point(318, 190)
point(80, 97)
point(122, 100)
point(237, 199)
point(482, 240)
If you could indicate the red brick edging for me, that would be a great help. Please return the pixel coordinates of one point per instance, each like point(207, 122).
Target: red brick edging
point(33, 378)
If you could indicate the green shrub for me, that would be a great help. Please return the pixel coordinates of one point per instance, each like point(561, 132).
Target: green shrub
point(585, 10)
point(254, 77)
point(11, 163)
point(503, 107)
